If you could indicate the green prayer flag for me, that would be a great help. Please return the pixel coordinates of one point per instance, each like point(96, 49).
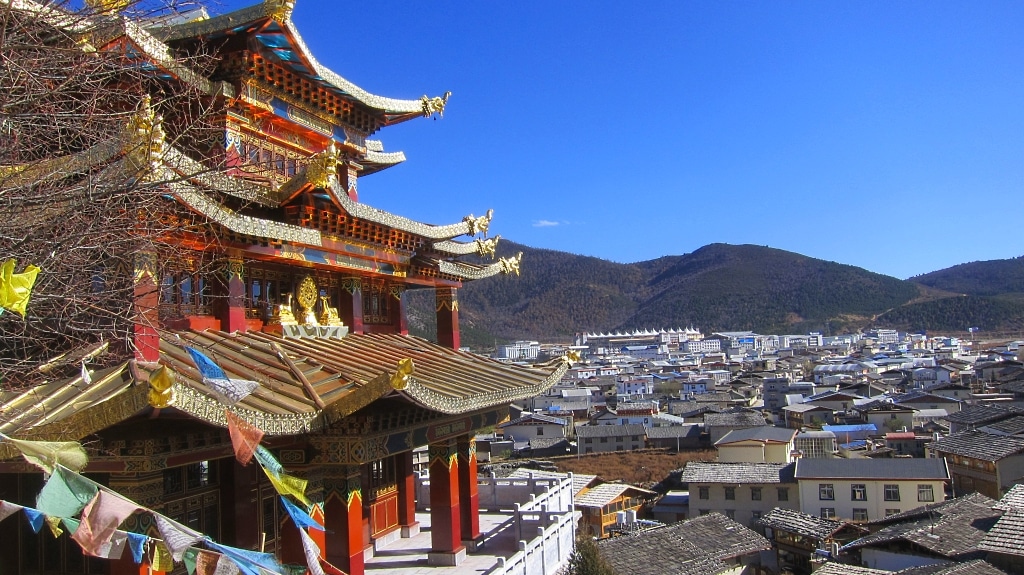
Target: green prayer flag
point(65, 494)
point(190, 560)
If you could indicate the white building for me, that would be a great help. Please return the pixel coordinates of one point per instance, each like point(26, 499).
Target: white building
point(868, 489)
point(519, 351)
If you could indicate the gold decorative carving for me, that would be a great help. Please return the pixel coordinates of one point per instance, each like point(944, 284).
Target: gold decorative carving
point(279, 10)
point(510, 265)
point(308, 294)
point(479, 225)
point(352, 285)
point(434, 105)
point(329, 315)
point(401, 377)
point(396, 291)
point(487, 247)
point(323, 167)
point(144, 141)
point(283, 314)
point(107, 6)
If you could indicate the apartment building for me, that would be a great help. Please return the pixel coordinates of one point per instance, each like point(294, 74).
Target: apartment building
point(868, 489)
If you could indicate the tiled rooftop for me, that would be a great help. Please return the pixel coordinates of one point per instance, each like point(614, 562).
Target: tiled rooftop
point(741, 419)
point(694, 547)
point(979, 445)
point(953, 530)
point(628, 429)
point(1012, 499)
point(1007, 536)
point(764, 433)
point(801, 523)
point(866, 468)
point(703, 472)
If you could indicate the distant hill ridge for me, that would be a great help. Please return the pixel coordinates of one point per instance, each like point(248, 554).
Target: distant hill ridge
point(723, 287)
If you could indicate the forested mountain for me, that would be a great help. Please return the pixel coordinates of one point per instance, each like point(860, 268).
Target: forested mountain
point(717, 287)
point(988, 295)
point(989, 278)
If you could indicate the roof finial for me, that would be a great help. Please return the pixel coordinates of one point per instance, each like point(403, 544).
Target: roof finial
point(279, 10)
point(144, 140)
point(435, 104)
point(323, 167)
point(511, 265)
point(479, 225)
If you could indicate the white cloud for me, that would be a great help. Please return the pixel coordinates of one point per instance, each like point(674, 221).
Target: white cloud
point(544, 224)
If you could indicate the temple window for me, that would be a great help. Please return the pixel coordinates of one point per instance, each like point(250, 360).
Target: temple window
point(376, 305)
point(184, 292)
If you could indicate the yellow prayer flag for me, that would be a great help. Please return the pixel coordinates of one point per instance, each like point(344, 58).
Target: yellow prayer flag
point(47, 454)
point(162, 560)
point(15, 288)
point(289, 485)
point(161, 387)
point(54, 524)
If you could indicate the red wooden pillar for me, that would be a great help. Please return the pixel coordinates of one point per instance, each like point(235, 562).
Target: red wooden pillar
point(406, 494)
point(447, 306)
point(231, 307)
point(397, 308)
point(146, 303)
point(445, 515)
point(290, 548)
point(350, 309)
point(469, 499)
point(343, 513)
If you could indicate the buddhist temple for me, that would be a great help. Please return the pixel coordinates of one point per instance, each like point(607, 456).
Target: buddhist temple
point(293, 288)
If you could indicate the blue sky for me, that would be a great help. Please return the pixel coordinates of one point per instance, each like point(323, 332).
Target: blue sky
point(886, 135)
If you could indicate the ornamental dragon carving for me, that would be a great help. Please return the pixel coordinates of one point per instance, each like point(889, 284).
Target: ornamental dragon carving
point(434, 105)
point(279, 10)
point(487, 247)
point(479, 225)
point(144, 144)
point(510, 265)
point(323, 167)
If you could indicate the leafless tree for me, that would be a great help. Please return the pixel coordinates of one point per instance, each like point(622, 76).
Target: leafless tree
point(72, 199)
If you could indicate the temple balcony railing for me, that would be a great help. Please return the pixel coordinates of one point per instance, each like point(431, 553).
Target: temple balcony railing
point(542, 516)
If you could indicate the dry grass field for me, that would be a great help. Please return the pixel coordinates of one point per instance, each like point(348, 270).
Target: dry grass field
point(645, 467)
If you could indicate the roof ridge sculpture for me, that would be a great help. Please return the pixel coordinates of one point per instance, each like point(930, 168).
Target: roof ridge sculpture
point(280, 11)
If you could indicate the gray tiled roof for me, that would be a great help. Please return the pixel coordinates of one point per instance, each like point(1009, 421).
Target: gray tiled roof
point(937, 509)
point(695, 547)
point(833, 568)
point(801, 523)
point(1012, 425)
point(1012, 499)
point(981, 414)
point(628, 429)
point(953, 530)
point(866, 468)
point(604, 493)
point(980, 445)
point(673, 431)
point(704, 472)
point(1007, 536)
point(741, 419)
point(975, 567)
point(763, 433)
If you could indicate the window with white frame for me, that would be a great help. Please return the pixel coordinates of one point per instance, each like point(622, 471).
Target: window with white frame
point(826, 492)
point(891, 492)
point(925, 493)
point(859, 492)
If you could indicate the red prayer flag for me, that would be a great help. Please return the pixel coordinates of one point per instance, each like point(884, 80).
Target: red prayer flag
point(245, 437)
